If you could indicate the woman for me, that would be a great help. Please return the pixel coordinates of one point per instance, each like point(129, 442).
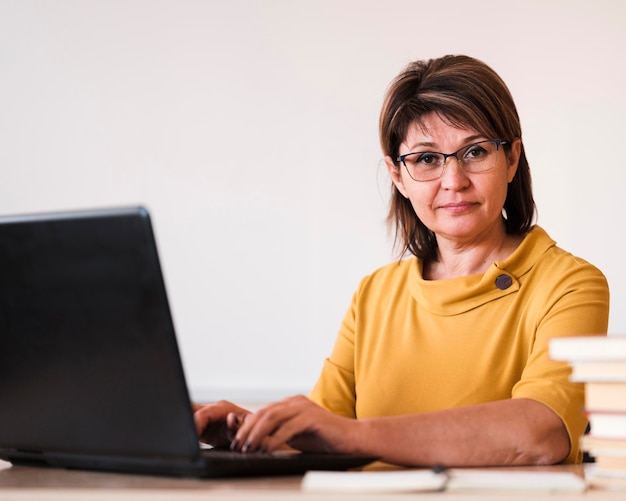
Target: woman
point(442, 357)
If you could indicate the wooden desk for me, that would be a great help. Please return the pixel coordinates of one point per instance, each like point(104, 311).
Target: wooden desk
point(26, 483)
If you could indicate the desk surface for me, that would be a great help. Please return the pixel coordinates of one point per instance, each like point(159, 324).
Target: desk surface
point(21, 483)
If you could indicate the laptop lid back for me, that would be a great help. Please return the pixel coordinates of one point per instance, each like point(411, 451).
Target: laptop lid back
point(88, 357)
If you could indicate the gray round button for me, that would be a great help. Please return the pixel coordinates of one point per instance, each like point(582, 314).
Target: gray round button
point(503, 282)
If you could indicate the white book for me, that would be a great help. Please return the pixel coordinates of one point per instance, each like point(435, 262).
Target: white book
point(607, 397)
point(375, 481)
point(457, 479)
point(589, 348)
point(608, 424)
point(510, 479)
point(598, 371)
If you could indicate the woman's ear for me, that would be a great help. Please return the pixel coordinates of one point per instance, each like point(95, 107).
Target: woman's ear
point(396, 175)
point(513, 158)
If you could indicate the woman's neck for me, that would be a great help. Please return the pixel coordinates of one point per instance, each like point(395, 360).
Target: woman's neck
point(458, 259)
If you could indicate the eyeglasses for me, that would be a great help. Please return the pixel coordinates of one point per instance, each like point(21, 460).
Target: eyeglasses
point(430, 165)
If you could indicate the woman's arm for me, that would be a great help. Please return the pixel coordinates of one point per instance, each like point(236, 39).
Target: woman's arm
point(507, 432)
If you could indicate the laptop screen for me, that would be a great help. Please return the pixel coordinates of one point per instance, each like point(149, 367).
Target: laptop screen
point(88, 355)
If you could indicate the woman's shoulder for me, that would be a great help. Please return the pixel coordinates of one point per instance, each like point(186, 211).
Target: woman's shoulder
point(394, 268)
point(394, 272)
point(543, 254)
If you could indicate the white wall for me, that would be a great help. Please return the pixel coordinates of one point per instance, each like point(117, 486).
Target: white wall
point(249, 129)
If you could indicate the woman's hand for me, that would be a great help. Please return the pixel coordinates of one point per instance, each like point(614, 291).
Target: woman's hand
point(218, 423)
point(298, 423)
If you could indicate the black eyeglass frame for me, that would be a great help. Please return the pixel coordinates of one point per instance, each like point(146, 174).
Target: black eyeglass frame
point(455, 154)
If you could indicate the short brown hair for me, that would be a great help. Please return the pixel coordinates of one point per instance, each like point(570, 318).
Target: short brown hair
point(467, 93)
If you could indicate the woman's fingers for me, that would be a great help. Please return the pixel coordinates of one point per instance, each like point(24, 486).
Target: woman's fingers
point(273, 426)
point(216, 424)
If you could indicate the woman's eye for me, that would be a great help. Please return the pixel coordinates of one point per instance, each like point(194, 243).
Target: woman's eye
point(474, 153)
point(427, 159)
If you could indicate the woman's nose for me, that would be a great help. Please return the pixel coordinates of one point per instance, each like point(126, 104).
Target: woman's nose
point(453, 175)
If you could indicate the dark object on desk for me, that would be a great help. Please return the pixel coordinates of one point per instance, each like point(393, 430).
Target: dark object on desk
point(587, 457)
point(90, 372)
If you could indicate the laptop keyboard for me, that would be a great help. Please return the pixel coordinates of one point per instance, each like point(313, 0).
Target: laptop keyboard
point(236, 455)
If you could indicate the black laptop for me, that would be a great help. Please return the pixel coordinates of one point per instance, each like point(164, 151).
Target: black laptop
point(90, 372)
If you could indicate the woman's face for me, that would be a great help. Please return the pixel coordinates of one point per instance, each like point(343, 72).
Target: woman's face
point(459, 206)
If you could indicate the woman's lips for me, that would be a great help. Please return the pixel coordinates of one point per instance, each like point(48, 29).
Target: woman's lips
point(457, 207)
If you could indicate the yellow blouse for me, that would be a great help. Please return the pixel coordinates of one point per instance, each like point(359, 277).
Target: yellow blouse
point(409, 345)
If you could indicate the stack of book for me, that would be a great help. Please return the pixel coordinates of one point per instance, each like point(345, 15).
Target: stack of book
point(599, 362)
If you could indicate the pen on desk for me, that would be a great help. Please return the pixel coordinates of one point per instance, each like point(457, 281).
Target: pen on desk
point(441, 472)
